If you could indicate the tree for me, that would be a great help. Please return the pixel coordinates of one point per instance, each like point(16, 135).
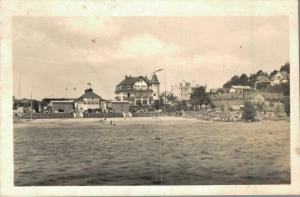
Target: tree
point(286, 103)
point(244, 80)
point(285, 67)
point(200, 97)
point(235, 80)
point(171, 97)
point(252, 80)
point(249, 111)
point(262, 73)
point(274, 72)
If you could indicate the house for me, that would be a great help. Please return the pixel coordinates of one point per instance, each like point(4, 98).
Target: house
point(138, 91)
point(184, 90)
point(90, 101)
point(262, 81)
point(279, 78)
point(25, 105)
point(239, 89)
point(119, 106)
point(62, 106)
point(58, 105)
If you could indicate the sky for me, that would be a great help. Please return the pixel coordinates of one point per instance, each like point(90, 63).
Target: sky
point(51, 54)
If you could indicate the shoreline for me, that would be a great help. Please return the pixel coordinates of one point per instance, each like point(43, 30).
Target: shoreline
point(133, 119)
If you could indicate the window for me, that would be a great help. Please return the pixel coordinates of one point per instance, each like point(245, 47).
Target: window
point(128, 94)
point(138, 102)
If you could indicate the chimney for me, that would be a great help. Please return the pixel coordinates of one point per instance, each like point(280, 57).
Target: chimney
point(126, 77)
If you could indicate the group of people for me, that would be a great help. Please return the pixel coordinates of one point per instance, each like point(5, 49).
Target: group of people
point(111, 123)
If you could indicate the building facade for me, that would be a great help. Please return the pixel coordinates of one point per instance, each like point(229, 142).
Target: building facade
point(90, 101)
point(262, 81)
point(62, 106)
point(239, 89)
point(279, 78)
point(119, 106)
point(138, 91)
point(184, 90)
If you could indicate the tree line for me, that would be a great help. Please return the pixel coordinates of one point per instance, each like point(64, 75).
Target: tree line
point(250, 80)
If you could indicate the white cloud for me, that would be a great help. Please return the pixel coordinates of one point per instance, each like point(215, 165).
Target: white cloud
point(147, 45)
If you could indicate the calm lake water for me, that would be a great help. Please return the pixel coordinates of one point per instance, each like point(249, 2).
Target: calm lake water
point(150, 152)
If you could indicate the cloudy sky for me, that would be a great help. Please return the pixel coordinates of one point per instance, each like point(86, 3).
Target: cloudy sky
point(51, 54)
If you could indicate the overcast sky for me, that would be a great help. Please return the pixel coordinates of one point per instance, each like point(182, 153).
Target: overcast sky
point(54, 53)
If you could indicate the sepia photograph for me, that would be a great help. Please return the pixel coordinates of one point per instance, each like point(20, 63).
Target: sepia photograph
point(152, 100)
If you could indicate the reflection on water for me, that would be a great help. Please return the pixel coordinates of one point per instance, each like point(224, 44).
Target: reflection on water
point(151, 153)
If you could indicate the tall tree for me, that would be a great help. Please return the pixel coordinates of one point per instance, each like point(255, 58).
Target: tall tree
point(244, 80)
point(262, 73)
point(274, 72)
point(252, 79)
point(286, 67)
point(199, 96)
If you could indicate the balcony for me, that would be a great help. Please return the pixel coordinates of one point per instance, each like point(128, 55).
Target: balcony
point(130, 99)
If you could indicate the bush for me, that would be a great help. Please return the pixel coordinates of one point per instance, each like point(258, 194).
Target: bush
point(286, 104)
point(249, 111)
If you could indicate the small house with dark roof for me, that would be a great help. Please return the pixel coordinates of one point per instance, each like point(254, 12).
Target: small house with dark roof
point(138, 91)
point(239, 89)
point(262, 81)
point(90, 101)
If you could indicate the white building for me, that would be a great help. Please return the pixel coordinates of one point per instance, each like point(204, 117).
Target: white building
point(184, 90)
point(139, 91)
point(279, 78)
point(239, 89)
point(90, 100)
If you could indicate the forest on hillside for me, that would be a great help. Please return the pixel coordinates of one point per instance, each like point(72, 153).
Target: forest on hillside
point(250, 80)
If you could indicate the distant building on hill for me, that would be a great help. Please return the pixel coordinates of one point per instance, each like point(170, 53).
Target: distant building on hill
point(138, 91)
point(184, 90)
point(262, 81)
point(279, 78)
point(239, 89)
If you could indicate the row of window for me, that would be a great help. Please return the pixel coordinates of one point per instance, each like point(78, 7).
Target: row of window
point(91, 102)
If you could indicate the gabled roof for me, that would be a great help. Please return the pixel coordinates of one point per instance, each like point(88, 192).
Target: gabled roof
point(284, 74)
point(154, 79)
point(89, 94)
point(131, 80)
point(241, 87)
point(263, 78)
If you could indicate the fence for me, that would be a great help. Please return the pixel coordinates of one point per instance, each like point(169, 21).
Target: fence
point(103, 115)
point(46, 115)
point(247, 96)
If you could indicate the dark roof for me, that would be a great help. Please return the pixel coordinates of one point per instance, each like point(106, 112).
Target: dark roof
point(89, 94)
point(263, 78)
point(24, 100)
point(284, 74)
point(154, 79)
point(131, 80)
point(57, 99)
point(128, 80)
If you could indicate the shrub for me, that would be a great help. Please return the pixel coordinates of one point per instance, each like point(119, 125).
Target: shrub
point(249, 111)
point(286, 104)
